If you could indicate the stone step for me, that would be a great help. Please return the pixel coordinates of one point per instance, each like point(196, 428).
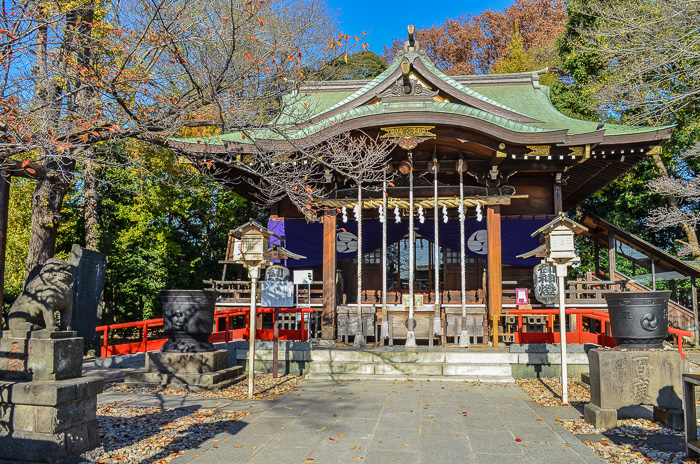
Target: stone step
point(415, 357)
point(389, 377)
point(409, 370)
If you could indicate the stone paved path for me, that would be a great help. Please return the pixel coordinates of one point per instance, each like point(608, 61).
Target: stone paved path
point(386, 422)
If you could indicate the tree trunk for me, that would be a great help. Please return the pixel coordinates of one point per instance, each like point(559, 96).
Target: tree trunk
point(46, 214)
point(90, 204)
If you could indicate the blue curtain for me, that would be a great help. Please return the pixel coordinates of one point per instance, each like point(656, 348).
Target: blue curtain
point(307, 238)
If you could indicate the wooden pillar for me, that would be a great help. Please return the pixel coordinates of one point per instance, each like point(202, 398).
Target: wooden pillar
point(493, 225)
point(558, 205)
point(328, 316)
point(611, 255)
point(695, 309)
point(596, 257)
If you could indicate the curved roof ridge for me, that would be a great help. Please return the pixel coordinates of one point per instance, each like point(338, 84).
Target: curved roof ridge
point(463, 88)
point(364, 89)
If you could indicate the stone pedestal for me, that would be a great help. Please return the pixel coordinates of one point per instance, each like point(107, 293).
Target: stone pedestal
point(47, 410)
point(193, 371)
point(635, 377)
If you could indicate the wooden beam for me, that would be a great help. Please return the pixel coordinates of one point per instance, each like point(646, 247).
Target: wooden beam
point(695, 309)
point(611, 256)
point(493, 225)
point(596, 257)
point(328, 317)
point(558, 206)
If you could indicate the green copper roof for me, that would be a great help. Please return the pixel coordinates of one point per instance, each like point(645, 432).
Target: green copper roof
point(516, 93)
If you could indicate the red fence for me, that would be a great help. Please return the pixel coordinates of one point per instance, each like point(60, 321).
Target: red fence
point(221, 318)
point(579, 335)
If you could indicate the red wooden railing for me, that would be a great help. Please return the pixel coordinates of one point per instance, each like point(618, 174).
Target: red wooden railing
point(578, 335)
point(225, 335)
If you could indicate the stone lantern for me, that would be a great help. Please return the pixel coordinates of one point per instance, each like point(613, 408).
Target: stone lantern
point(252, 243)
point(560, 251)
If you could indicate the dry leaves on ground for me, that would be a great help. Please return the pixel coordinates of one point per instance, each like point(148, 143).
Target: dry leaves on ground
point(546, 391)
point(264, 388)
point(636, 432)
point(154, 435)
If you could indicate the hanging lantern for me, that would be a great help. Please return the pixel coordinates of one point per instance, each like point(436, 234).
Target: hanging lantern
point(345, 214)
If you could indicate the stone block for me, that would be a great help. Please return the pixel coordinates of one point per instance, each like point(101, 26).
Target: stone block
point(52, 419)
point(40, 355)
point(52, 393)
point(673, 418)
point(191, 381)
point(186, 363)
point(629, 378)
point(600, 418)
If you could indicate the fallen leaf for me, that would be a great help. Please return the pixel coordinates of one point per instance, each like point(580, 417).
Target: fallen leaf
point(404, 444)
point(518, 440)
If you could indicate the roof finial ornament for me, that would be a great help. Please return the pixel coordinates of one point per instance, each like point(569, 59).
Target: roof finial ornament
point(411, 45)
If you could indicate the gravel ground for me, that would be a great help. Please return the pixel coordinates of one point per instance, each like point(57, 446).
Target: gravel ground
point(265, 388)
point(154, 435)
point(633, 441)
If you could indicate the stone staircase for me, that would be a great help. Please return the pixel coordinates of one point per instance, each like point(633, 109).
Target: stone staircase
point(474, 364)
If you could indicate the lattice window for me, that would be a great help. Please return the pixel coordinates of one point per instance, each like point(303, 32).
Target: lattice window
point(452, 257)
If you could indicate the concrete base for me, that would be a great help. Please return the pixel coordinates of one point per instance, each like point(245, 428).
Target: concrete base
point(328, 332)
point(40, 355)
point(411, 338)
point(635, 377)
point(600, 418)
point(360, 340)
point(464, 339)
point(194, 382)
point(48, 421)
point(192, 371)
point(672, 418)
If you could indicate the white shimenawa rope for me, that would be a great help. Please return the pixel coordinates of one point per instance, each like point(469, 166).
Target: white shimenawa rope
point(437, 328)
point(385, 322)
point(411, 335)
point(464, 335)
point(359, 335)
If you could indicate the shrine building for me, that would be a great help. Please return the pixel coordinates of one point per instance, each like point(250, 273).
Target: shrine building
point(494, 144)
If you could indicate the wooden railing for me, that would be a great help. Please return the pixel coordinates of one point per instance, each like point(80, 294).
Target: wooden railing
point(590, 326)
point(292, 327)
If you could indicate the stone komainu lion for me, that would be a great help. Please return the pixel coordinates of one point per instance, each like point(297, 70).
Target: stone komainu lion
point(51, 290)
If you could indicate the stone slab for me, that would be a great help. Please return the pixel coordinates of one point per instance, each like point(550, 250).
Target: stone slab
point(600, 418)
point(52, 419)
point(203, 381)
point(50, 393)
point(673, 418)
point(628, 378)
point(40, 355)
point(34, 447)
point(186, 363)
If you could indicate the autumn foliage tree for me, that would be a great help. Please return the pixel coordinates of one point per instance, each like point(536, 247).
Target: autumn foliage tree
point(472, 44)
point(80, 74)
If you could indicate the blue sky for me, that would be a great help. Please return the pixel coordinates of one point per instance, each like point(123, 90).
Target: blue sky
point(383, 20)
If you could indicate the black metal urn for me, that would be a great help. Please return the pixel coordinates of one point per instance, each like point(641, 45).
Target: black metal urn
point(188, 320)
point(639, 320)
